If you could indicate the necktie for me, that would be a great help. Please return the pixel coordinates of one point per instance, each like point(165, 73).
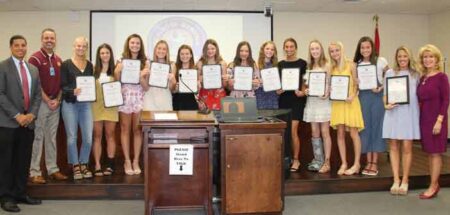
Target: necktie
point(25, 87)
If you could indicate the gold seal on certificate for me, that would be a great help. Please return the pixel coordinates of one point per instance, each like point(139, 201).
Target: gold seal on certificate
point(270, 79)
point(87, 86)
point(159, 75)
point(130, 71)
point(317, 81)
point(187, 81)
point(112, 94)
point(290, 79)
point(340, 85)
point(243, 77)
point(212, 76)
point(367, 76)
point(397, 90)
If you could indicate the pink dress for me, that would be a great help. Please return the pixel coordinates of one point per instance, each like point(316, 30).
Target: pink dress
point(433, 94)
point(133, 98)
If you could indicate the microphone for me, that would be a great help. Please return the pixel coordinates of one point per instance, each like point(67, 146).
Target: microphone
point(204, 110)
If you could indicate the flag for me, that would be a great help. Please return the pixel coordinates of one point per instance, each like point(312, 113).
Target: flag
point(377, 36)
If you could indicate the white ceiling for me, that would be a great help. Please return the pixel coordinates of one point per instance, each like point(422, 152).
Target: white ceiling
point(361, 6)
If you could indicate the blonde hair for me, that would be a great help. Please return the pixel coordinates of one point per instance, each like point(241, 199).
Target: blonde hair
point(262, 56)
point(322, 59)
point(84, 40)
point(435, 52)
point(411, 64)
point(342, 61)
point(167, 58)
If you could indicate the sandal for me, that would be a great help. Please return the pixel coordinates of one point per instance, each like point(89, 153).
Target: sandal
point(373, 172)
point(366, 169)
point(295, 169)
point(85, 171)
point(325, 168)
point(342, 169)
point(109, 170)
point(77, 172)
point(98, 173)
point(403, 190)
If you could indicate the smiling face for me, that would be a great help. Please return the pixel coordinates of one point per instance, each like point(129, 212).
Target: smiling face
point(366, 50)
point(134, 45)
point(290, 49)
point(429, 60)
point(211, 51)
point(185, 55)
point(335, 52)
point(161, 51)
point(105, 55)
point(80, 47)
point(269, 50)
point(402, 59)
point(244, 52)
point(19, 48)
point(315, 50)
point(48, 40)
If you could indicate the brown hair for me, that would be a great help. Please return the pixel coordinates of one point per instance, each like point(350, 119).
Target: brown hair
point(179, 64)
point(126, 54)
point(262, 56)
point(98, 61)
point(237, 58)
point(204, 57)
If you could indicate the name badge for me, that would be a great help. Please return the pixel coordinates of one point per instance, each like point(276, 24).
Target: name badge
point(52, 71)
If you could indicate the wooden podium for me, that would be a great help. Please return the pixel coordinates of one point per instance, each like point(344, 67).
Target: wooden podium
point(163, 191)
point(252, 167)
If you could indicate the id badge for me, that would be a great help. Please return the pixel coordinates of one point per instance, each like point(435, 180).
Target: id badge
point(52, 71)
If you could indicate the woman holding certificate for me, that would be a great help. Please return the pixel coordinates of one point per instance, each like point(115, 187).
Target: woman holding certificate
point(370, 70)
point(401, 121)
point(212, 70)
point(161, 80)
point(133, 72)
point(187, 80)
point(433, 94)
point(243, 72)
point(345, 107)
point(104, 117)
point(268, 59)
point(318, 107)
point(77, 82)
point(291, 95)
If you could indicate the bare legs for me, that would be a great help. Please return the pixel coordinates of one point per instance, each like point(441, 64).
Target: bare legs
point(295, 145)
point(394, 156)
point(110, 141)
point(318, 128)
point(342, 150)
point(435, 164)
point(130, 122)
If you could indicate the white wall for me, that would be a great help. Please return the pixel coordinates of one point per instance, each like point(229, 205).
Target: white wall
point(395, 30)
point(440, 36)
point(68, 25)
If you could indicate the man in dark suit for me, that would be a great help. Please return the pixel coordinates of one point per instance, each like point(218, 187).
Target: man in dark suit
point(20, 98)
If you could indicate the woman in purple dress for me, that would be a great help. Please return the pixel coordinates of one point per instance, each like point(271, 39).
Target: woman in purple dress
point(433, 94)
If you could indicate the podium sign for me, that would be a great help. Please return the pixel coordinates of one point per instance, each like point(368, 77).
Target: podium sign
point(181, 159)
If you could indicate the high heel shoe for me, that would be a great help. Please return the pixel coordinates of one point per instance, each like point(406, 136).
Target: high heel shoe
point(342, 170)
point(395, 188)
point(325, 168)
point(403, 190)
point(127, 168)
point(137, 169)
point(295, 168)
point(434, 194)
point(352, 171)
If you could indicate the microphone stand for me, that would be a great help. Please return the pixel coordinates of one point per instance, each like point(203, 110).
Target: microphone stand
point(204, 110)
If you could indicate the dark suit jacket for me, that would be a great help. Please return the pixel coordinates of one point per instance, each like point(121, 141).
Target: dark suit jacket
point(11, 95)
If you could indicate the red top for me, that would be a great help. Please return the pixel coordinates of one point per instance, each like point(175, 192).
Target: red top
point(50, 81)
point(212, 97)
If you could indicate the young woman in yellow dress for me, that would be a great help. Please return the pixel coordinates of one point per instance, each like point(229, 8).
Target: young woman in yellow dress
point(346, 115)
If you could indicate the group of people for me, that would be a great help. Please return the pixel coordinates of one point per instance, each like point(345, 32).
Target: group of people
point(33, 94)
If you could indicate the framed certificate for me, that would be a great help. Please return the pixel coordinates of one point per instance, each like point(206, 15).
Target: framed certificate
point(87, 86)
point(212, 76)
point(131, 70)
point(317, 83)
point(290, 79)
point(340, 85)
point(367, 76)
point(271, 79)
point(243, 77)
point(159, 75)
point(112, 94)
point(397, 90)
point(187, 81)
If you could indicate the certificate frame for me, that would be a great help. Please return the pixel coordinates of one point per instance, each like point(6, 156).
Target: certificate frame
point(390, 80)
point(358, 76)
point(298, 78)
point(103, 93)
point(166, 83)
point(182, 82)
point(203, 75)
point(125, 61)
point(274, 71)
point(250, 85)
point(332, 98)
point(93, 82)
point(324, 73)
